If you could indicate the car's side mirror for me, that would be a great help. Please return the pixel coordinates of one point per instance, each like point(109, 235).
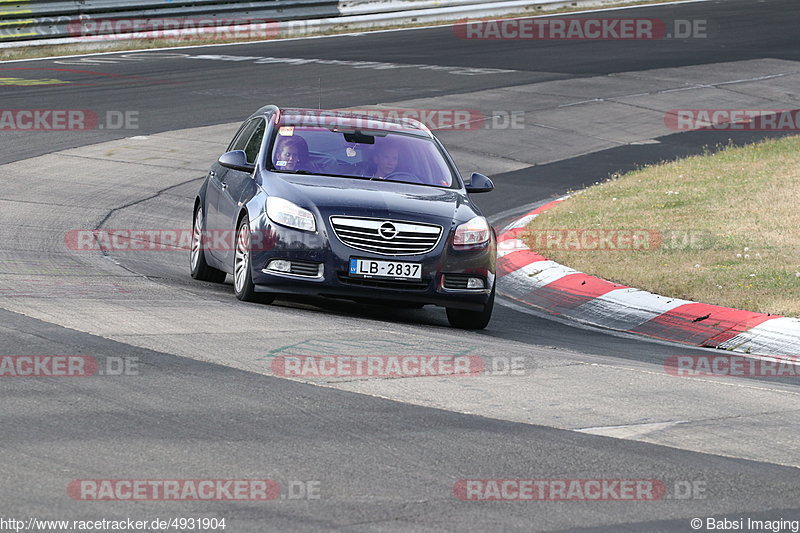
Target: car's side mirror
point(479, 183)
point(236, 160)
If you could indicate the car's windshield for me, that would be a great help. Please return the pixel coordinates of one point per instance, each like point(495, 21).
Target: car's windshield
point(366, 154)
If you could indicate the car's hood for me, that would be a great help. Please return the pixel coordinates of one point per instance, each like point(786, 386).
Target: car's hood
point(375, 199)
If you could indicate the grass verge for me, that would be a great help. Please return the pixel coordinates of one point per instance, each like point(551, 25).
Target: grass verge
point(721, 229)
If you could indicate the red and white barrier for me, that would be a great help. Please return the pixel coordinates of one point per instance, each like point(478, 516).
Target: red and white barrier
point(532, 279)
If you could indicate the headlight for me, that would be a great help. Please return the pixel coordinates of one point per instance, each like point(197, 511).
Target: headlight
point(476, 231)
point(286, 213)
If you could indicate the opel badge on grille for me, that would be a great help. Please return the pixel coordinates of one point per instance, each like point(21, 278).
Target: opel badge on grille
point(387, 231)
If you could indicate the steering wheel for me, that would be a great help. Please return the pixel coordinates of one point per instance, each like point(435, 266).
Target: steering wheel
point(322, 161)
point(402, 176)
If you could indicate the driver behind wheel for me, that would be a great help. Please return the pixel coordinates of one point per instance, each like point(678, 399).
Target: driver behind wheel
point(291, 154)
point(385, 159)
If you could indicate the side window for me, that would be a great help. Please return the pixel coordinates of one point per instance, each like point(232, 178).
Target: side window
point(254, 144)
point(240, 140)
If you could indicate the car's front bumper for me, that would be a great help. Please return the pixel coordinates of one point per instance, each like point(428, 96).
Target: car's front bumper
point(333, 278)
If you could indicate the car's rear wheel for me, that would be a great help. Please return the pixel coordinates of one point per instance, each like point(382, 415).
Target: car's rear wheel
point(461, 318)
point(197, 258)
point(243, 285)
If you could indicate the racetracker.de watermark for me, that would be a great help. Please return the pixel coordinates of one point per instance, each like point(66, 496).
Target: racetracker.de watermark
point(567, 239)
point(179, 28)
point(395, 366)
point(405, 118)
point(608, 239)
point(161, 240)
point(701, 366)
point(66, 366)
point(173, 489)
point(579, 490)
point(733, 119)
point(574, 28)
point(67, 120)
point(165, 490)
point(442, 119)
point(556, 490)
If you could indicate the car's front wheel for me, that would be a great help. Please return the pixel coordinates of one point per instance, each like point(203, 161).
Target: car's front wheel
point(197, 258)
point(243, 285)
point(460, 318)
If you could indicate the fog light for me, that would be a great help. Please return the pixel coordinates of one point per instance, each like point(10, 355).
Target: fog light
point(279, 265)
point(475, 283)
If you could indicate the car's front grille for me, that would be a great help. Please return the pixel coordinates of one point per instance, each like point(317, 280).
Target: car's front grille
point(386, 237)
point(384, 283)
point(304, 268)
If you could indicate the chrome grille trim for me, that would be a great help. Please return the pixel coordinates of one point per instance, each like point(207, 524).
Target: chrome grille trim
point(412, 238)
point(357, 234)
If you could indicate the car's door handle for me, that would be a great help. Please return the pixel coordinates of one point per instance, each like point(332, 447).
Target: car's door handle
point(224, 185)
point(212, 174)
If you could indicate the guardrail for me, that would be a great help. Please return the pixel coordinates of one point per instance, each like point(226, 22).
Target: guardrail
point(65, 21)
point(37, 19)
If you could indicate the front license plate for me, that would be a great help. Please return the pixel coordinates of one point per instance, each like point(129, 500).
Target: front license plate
point(370, 268)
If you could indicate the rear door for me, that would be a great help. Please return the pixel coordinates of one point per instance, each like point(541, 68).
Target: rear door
point(236, 186)
point(217, 188)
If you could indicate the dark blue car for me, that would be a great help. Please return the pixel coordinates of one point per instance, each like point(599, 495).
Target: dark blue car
point(344, 205)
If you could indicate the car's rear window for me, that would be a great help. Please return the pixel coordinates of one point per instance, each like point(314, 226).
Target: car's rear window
point(367, 154)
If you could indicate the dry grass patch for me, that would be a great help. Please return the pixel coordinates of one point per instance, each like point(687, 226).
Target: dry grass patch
point(740, 209)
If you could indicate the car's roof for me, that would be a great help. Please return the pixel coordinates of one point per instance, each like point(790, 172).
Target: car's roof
point(365, 119)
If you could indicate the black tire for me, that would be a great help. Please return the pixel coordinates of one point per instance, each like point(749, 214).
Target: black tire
point(460, 318)
point(201, 270)
point(243, 286)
